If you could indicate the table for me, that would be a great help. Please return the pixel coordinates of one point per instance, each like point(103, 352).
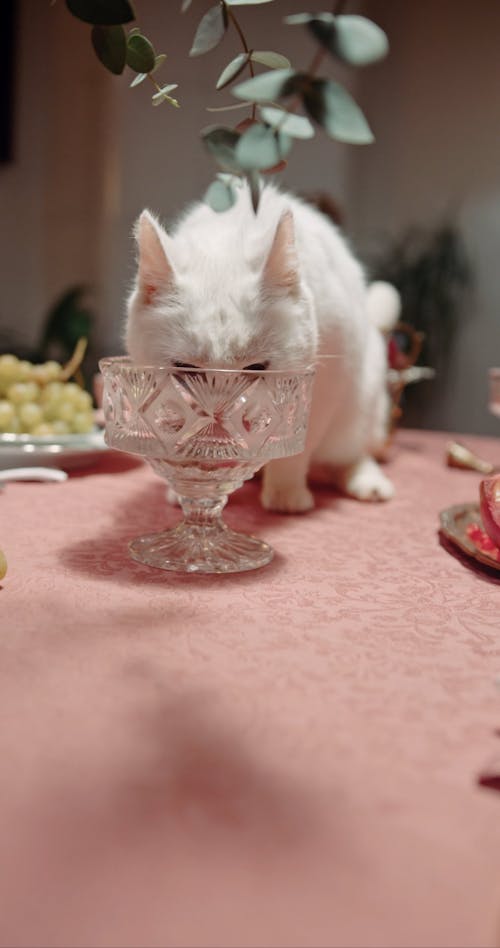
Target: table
point(281, 758)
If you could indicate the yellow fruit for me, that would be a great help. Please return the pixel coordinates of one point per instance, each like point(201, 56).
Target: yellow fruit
point(3, 565)
point(39, 399)
point(7, 415)
point(30, 415)
point(60, 427)
point(21, 392)
point(8, 371)
point(24, 370)
point(82, 422)
point(43, 429)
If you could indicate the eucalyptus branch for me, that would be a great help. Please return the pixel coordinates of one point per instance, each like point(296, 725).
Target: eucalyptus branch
point(258, 144)
point(231, 16)
point(117, 49)
point(233, 19)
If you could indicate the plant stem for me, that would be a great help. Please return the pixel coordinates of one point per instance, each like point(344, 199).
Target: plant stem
point(244, 43)
point(154, 82)
point(316, 61)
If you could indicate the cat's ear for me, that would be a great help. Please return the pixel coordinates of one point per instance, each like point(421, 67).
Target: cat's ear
point(155, 273)
point(281, 269)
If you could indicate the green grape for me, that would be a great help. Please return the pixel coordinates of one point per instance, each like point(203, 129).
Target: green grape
point(21, 392)
point(15, 426)
point(45, 373)
point(64, 411)
point(51, 396)
point(34, 399)
point(24, 370)
point(30, 415)
point(8, 371)
point(7, 415)
point(51, 392)
point(53, 370)
point(82, 422)
point(83, 401)
point(39, 375)
point(71, 392)
point(60, 427)
point(43, 429)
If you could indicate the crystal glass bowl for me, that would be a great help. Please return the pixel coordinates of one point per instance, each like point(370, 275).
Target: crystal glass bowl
point(205, 432)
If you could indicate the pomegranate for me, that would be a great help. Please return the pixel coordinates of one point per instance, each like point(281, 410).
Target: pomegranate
point(489, 495)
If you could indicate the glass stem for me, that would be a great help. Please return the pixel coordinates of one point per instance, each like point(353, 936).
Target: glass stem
point(204, 512)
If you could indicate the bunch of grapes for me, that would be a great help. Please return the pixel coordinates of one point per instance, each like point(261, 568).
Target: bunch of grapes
point(37, 399)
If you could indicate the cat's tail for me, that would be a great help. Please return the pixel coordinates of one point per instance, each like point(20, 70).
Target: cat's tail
point(384, 305)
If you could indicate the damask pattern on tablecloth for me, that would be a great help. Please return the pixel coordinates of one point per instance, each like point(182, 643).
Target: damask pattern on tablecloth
point(281, 757)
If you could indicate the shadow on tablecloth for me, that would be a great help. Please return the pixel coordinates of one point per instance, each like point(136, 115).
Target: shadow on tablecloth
point(105, 555)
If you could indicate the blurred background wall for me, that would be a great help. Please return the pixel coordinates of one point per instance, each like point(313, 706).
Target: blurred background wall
point(89, 153)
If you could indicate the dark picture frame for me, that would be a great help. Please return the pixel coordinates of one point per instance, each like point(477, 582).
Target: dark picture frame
point(7, 57)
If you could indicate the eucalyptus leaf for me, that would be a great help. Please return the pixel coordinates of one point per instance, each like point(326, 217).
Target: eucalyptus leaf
point(232, 70)
point(298, 126)
point(158, 61)
point(210, 31)
point(324, 31)
point(358, 41)
point(221, 142)
point(329, 104)
point(163, 95)
point(267, 87)
point(140, 53)
point(169, 88)
point(220, 196)
point(300, 19)
point(246, 3)
point(355, 40)
point(271, 60)
point(228, 178)
point(160, 98)
point(261, 147)
point(110, 46)
point(102, 12)
point(140, 77)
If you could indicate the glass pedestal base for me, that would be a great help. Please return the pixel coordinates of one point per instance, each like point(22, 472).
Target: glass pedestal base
point(190, 548)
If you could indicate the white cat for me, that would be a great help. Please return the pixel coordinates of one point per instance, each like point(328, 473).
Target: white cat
point(279, 290)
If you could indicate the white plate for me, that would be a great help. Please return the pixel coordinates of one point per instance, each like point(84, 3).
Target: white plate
point(66, 451)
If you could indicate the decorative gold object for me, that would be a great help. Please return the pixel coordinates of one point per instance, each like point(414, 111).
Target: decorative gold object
point(402, 369)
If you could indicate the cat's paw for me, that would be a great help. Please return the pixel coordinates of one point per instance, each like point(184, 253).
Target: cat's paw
point(290, 498)
point(366, 481)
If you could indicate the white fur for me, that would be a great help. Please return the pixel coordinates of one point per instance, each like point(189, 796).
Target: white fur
point(281, 287)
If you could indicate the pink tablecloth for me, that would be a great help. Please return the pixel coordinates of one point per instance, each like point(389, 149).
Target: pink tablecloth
point(280, 758)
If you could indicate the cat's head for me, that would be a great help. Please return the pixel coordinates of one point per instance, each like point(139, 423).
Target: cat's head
point(194, 307)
